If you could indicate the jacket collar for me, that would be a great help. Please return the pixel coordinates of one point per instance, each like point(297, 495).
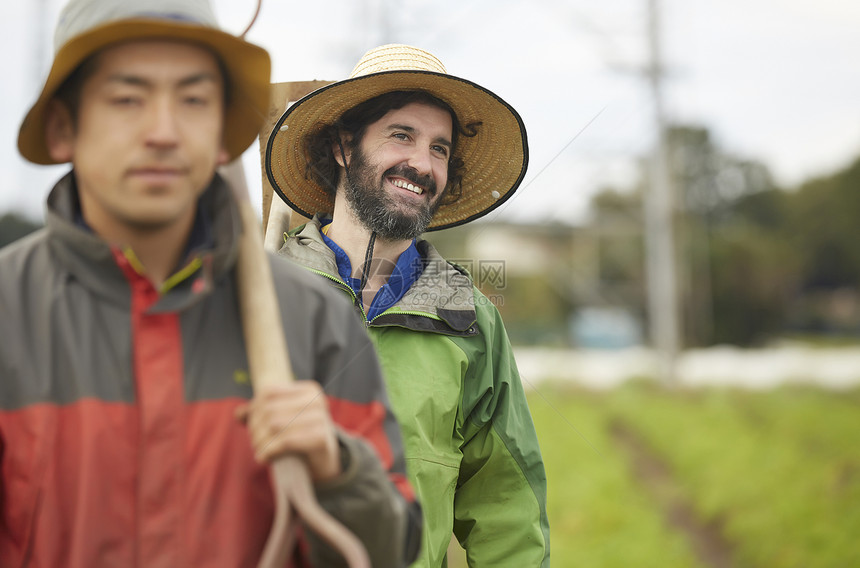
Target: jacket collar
point(442, 290)
point(89, 259)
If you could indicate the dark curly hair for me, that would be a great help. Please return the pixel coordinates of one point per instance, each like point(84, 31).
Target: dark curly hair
point(321, 166)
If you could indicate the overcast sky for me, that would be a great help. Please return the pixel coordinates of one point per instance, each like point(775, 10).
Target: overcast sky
point(774, 80)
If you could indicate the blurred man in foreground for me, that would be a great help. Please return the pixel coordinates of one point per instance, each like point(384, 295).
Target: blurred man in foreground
point(124, 394)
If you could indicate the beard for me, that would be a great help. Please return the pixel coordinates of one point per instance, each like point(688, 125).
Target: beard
point(379, 212)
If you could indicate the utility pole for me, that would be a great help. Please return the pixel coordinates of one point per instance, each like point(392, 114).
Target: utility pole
point(663, 312)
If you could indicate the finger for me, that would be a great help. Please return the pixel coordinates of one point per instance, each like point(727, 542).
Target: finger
point(307, 434)
point(241, 413)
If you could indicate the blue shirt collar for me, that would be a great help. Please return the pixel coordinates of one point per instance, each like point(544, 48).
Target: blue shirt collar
point(406, 271)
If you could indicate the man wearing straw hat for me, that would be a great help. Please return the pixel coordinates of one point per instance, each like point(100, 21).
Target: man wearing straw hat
point(124, 392)
point(399, 148)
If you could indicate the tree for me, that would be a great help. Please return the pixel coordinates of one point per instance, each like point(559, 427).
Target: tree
point(730, 281)
point(711, 188)
point(824, 221)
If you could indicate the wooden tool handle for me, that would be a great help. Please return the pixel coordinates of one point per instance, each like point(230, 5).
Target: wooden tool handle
point(268, 362)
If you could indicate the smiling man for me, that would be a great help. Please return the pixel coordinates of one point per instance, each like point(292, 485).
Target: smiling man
point(129, 435)
point(399, 148)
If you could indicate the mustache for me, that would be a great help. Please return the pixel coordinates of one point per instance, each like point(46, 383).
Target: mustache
point(410, 174)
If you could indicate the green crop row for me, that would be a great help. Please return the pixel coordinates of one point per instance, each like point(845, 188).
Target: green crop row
point(780, 470)
point(598, 515)
point(777, 474)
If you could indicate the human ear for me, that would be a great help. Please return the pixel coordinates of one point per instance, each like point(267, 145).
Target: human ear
point(342, 151)
point(59, 132)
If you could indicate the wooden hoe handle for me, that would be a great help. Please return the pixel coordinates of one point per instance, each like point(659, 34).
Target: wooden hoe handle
point(268, 362)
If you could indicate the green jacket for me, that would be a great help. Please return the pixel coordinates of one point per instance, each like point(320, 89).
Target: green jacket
point(471, 449)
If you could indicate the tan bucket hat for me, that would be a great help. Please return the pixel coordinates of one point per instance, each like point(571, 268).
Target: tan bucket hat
point(495, 159)
point(86, 26)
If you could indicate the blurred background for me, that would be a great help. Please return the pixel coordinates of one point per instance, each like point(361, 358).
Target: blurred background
point(678, 271)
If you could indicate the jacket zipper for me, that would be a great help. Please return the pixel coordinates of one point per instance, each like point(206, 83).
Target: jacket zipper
point(355, 301)
point(345, 288)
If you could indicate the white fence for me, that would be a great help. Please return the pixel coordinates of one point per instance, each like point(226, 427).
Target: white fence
point(834, 368)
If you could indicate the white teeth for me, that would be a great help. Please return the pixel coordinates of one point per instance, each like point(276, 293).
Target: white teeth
point(409, 186)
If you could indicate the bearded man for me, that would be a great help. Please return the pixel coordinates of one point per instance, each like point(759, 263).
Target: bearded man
point(399, 148)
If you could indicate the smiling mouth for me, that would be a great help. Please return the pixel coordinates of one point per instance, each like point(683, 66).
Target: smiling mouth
point(403, 184)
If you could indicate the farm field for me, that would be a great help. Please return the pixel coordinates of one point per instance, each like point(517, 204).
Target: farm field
point(642, 476)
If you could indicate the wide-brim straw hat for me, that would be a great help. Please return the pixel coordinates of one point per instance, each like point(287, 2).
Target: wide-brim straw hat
point(86, 26)
point(495, 159)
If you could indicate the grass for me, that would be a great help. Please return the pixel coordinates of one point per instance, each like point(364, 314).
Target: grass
point(598, 517)
point(778, 472)
point(780, 469)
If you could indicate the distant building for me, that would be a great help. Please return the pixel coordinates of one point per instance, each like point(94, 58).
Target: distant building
point(555, 284)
